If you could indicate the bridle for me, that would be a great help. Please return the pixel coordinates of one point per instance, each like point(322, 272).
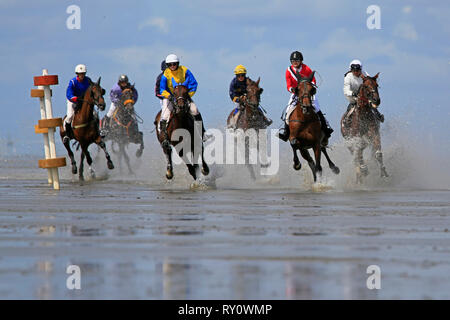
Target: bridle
point(369, 92)
point(306, 94)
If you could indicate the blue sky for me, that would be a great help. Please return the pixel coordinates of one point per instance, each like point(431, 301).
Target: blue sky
point(411, 51)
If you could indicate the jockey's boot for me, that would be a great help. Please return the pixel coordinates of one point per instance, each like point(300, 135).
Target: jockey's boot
point(283, 134)
point(105, 126)
point(67, 132)
point(325, 125)
point(163, 128)
point(378, 115)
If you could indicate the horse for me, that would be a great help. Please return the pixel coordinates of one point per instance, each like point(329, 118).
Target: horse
point(85, 128)
point(305, 130)
point(181, 119)
point(250, 117)
point(361, 127)
point(123, 127)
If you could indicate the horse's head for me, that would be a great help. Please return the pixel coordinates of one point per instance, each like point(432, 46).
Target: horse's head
point(181, 98)
point(253, 96)
point(127, 98)
point(369, 89)
point(305, 90)
point(97, 93)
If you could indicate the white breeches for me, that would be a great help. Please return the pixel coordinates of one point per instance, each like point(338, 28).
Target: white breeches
point(293, 101)
point(111, 110)
point(167, 108)
point(70, 112)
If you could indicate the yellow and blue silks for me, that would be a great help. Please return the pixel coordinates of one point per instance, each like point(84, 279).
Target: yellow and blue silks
point(180, 76)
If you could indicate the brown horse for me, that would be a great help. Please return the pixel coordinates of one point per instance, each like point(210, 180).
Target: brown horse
point(362, 127)
point(124, 126)
point(305, 129)
point(251, 117)
point(181, 119)
point(85, 128)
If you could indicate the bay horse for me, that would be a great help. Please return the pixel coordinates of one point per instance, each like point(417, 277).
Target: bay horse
point(123, 127)
point(361, 127)
point(305, 129)
point(181, 119)
point(85, 128)
point(250, 117)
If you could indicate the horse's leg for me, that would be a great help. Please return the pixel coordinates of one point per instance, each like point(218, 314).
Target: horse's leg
point(80, 174)
point(167, 149)
point(297, 164)
point(317, 154)
point(305, 154)
point(377, 154)
point(108, 158)
point(71, 156)
point(141, 142)
point(361, 167)
point(127, 159)
point(89, 161)
point(205, 168)
point(333, 167)
point(193, 170)
point(247, 160)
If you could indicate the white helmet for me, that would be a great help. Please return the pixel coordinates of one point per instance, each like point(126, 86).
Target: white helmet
point(355, 63)
point(81, 68)
point(172, 58)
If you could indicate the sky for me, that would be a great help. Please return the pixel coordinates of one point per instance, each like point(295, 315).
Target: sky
point(411, 51)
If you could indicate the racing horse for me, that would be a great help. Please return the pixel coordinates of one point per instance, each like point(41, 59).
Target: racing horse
point(123, 127)
point(305, 129)
point(181, 119)
point(250, 118)
point(361, 127)
point(85, 128)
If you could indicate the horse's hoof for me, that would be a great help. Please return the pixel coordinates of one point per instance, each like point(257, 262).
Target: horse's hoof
point(384, 174)
point(139, 153)
point(169, 175)
point(205, 171)
point(74, 170)
point(364, 170)
point(110, 165)
point(81, 178)
point(335, 170)
point(297, 166)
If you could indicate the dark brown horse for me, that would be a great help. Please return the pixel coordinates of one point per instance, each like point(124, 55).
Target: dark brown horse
point(305, 129)
point(182, 125)
point(85, 128)
point(124, 126)
point(250, 118)
point(361, 127)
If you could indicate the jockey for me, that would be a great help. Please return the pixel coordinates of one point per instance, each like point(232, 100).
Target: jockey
point(75, 92)
point(352, 81)
point(179, 74)
point(158, 82)
point(291, 80)
point(115, 95)
point(238, 88)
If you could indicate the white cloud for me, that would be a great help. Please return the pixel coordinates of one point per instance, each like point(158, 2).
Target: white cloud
point(406, 31)
point(161, 23)
point(407, 9)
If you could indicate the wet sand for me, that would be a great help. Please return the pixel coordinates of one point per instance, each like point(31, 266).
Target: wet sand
point(135, 240)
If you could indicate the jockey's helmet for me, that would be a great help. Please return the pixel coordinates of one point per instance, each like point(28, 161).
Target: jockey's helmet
point(296, 56)
point(81, 68)
point(355, 65)
point(240, 69)
point(172, 58)
point(123, 78)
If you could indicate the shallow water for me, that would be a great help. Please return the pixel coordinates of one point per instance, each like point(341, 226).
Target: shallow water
point(135, 238)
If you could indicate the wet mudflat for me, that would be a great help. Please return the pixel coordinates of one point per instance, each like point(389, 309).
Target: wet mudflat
point(133, 240)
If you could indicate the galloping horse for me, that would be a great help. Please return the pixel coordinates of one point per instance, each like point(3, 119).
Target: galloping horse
point(361, 127)
point(250, 117)
point(181, 119)
point(85, 128)
point(305, 129)
point(124, 126)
